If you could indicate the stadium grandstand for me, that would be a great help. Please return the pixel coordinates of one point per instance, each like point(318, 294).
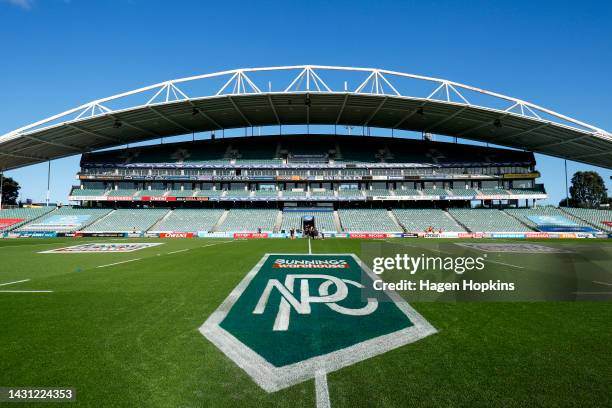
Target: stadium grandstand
point(405, 182)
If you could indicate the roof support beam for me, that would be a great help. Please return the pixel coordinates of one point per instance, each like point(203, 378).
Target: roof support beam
point(239, 111)
point(342, 108)
point(380, 105)
point(93, 133)
point(411, 113)
point(161, 115)
point(480, 126)
point(521, 133)
point(273, 109)
point(128, 124)
point(307, 103)
point(22, 156)
point(62, 145)
point(558, 143)
point(581, 156)
point(446, 119)
point(199, 111)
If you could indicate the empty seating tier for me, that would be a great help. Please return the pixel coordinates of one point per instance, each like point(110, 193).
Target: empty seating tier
point(464, 192)
point(209, 193)
point(249, 220)
point(594, 217)
point(128, 220)
point(367, 220)
point(189, 220)
point(181, 193)
point(154, 193)
point(408, 192)
point(378, 192)
point(485, 220)
point(13, 218)
point(421, 220)
point(524, 213)
point(65, 219)
point(122, 193)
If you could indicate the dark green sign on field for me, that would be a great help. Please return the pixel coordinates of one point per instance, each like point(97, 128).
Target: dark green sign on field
point(294, 315)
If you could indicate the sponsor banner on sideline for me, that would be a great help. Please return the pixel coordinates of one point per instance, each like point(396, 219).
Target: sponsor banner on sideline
point(206, 234)
point(37, 234)
point(250, 235)
point(103, 234)
point(176, 234)
point(368, 235)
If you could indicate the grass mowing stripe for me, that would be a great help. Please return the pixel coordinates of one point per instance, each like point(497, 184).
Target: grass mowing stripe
point(601, 283)
point(12, 283)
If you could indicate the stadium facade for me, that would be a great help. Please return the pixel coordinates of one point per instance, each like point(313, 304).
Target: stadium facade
point(363, 183)
point(308, 169)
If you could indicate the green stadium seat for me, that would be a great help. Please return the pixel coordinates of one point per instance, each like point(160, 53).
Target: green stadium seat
point(249, 220)
point(25, 214)
point(367, 220)
point(128, 220)
point(188, 220)
point(66, 219)
point(418, 220)
point(488, 220)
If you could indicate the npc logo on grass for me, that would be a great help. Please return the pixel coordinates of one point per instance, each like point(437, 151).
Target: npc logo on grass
point(294, 315)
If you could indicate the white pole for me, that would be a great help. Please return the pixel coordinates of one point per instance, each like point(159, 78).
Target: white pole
point(48, 181)
point(1, 186)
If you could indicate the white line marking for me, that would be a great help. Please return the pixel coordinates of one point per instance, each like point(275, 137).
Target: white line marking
point(216, 243)
point(118, 263)
point(309, 247)
point(507, 264)
point(168, 253)
point(12, 283)
point(180, 250)
point(601, 283)
point(26, 291)
point(321, 390)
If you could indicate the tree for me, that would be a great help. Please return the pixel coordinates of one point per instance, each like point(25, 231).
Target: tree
point(588, 190)
point(10, 191)
point(567, 203)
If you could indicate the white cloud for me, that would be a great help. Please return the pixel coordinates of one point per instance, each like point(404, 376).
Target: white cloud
point(24, 4)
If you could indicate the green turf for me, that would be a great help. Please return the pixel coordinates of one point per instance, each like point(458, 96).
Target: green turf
point(127, 335)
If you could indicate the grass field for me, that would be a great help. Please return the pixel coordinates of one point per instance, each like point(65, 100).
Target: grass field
point(126, 334)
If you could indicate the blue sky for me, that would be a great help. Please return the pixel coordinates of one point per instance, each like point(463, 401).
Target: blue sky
point(57, 54)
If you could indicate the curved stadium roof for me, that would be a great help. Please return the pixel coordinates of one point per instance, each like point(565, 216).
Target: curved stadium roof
point(311, 95)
